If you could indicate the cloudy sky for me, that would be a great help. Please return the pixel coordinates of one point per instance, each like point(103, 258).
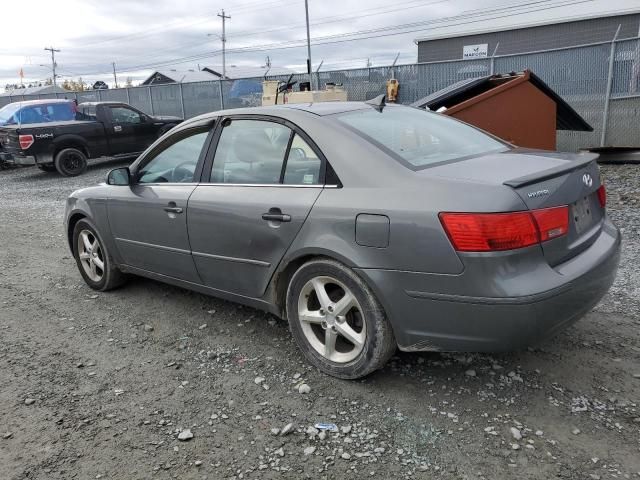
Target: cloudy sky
point(141, 36)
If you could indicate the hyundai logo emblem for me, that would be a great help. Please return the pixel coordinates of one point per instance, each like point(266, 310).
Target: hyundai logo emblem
point(587, 180)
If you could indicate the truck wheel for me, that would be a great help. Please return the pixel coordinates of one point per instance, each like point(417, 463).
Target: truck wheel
point(47, 167)
point(70, 162)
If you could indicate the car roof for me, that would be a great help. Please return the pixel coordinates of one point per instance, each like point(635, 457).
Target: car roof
point(43, 101)
point(93, 104)
point(317, 109)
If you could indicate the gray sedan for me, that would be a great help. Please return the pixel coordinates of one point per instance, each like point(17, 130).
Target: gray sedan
point(367, 228)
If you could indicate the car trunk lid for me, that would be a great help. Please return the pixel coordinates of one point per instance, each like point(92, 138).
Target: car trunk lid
point(544, 180)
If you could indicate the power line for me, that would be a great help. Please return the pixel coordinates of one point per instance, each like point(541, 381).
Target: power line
point(381, 32)
point(469, 16)
point(342, 18)
point(178, 24)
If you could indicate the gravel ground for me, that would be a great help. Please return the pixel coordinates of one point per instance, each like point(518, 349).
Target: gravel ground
point(151, 381)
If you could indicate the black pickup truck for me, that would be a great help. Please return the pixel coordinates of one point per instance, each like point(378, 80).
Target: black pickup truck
point(100, 129)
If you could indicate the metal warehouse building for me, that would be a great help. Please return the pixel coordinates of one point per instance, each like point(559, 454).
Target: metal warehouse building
point(465, 43)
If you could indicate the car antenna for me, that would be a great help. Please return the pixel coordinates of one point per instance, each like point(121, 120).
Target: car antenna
point(378, 103)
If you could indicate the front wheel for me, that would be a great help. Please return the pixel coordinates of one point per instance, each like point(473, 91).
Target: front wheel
point(70, 162)
point(93, 259)
point(337, 322)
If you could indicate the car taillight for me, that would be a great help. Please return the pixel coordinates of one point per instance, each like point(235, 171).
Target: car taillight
point(602, 196)
point(486, 232)
point(552, 222)
point(25, 141)
point(491, 232)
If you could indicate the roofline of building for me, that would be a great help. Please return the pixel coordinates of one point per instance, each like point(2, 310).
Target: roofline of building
point(519, 26)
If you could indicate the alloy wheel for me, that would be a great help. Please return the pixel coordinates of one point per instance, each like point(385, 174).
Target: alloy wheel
point(332, 319)
point(72, 161)
point(90, 254)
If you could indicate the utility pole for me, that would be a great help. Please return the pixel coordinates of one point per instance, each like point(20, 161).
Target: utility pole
point(224, 41)
point(115, 78)
point(53, 62)
point(306, 10)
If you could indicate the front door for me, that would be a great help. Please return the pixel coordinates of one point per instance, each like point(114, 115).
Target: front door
point(149, 218)
point(264, 180)
point(131, 131)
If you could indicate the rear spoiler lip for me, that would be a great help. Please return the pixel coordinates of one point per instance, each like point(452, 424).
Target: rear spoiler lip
point(585, 159)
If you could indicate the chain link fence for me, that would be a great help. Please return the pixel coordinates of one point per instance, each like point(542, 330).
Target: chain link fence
point(600, 81)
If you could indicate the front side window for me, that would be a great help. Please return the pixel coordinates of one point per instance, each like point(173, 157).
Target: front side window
point(250, 152)
point(418, 138)
point(175, 163)
point(123, 115)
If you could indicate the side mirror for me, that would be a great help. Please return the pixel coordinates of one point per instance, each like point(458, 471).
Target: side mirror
point(119, 176)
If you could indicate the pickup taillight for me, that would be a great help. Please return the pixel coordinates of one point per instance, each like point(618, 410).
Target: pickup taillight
point(25, 141)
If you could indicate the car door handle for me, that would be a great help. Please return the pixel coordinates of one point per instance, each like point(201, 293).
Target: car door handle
point(276, 217)
point(173, 209)
point(117, 128)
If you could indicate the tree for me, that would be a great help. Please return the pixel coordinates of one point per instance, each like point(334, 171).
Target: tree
point(74, 85)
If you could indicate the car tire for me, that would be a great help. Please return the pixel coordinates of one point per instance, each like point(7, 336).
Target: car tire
point(70, 162)
point(90, 251)
point(350, 310)
point(47, 167)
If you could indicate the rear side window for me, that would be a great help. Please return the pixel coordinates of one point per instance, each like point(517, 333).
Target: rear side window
point(250, 151)
point(303, 165)
point(418, 138)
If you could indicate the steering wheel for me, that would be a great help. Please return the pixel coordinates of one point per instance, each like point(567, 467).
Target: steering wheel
point(181, 173)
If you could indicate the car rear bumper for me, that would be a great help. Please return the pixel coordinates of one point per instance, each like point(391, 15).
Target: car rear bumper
point(523, 305)
point(14, 159)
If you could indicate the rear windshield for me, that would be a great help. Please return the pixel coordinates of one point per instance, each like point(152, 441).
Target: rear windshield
point(7, 112)
point(418, 138)
point(20, 113)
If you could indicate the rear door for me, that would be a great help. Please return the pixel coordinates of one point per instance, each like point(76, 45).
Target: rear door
point(256, 193)
point(131, 131)
point(149, 218)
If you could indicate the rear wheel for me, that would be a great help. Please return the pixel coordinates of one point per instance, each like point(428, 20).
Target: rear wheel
point(47, 167)
point(70, 162)
point(93, 259)
point(336, 320)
